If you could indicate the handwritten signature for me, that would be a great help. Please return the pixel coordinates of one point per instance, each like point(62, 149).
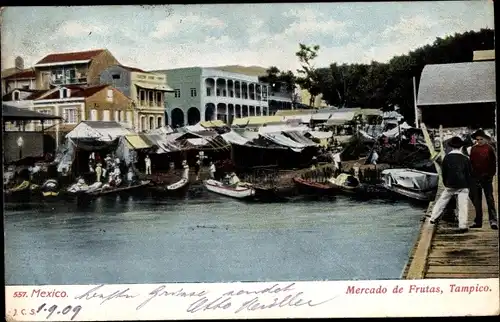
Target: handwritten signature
point(283, 296)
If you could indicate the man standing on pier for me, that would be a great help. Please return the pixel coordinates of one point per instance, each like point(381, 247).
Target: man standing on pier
point(483, 161)
point(457, 178)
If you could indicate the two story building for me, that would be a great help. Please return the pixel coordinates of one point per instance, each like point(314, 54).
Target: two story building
point(24, 80)
point(76, 68)
point(212, 94)
point(146, 90)
point(80, 103)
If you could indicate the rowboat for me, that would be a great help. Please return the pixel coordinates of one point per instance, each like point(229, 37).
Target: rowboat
point(123, 189)
point(50, 189)
point(239, 191)
point(24, 192)
point(350, 185)
point(179, 188)
point(313, 188)
point(413, 184)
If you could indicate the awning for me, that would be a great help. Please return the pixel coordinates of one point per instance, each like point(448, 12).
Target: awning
point(214, 123)
point(154, 87)
point(136, 142)
point(162, 142)
point(258, 120)
point(339, 118)
point(298, 137)
point(321, 116)
point(282, 128)
point(320, 134)
point(284, 141)
point(234, 138)
point(197, 141)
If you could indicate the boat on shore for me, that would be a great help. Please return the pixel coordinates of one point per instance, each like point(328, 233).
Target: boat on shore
point(23, 192)
point(308, 187)
point(127, 189)
point(413, 184)
point(241, 191)
point(178, 189)
point(350, 185)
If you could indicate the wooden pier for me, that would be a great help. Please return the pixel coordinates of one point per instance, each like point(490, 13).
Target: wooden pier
point(441, 252)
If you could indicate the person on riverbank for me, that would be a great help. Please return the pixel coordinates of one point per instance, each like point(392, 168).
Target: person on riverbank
point(483, 159)
point(185, 170)
point(98, 172)
point(147, 165)
point(197, 167)
point(212, 170)
point(457, 178)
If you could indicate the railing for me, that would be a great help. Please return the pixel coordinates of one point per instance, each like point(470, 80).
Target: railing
point(64, 81)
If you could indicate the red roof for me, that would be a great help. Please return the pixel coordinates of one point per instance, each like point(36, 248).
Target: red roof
point(132, 69)
point(66, 57)
point(25, 74)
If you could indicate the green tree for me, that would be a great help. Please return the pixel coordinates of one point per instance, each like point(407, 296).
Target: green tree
point(309, 79)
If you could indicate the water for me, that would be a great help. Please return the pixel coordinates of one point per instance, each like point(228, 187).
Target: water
point(207, 239)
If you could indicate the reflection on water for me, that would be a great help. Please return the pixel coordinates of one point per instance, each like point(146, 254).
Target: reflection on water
point(206, 238)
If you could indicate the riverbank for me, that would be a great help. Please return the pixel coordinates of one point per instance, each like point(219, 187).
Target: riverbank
point(440, 252)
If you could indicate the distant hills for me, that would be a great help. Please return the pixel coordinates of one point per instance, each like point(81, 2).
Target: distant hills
point(246, 70)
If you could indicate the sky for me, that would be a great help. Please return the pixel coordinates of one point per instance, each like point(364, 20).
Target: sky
point(173, 36)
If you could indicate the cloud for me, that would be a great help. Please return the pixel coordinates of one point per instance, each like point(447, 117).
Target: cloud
point(75, 29)
point(177, 23)
point(410, 27)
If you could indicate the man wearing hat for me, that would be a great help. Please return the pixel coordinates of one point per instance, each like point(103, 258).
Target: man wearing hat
point(457, 178)
point(483, 159)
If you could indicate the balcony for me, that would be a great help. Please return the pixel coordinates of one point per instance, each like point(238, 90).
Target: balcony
point(68, 81)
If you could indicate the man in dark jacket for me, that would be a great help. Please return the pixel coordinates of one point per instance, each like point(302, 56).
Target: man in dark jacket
point(483, 159)
point(457, 178)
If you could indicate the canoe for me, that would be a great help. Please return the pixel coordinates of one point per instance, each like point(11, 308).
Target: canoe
point(24, 192)
point(349, 185)
point(179, 188)
point(409, 183)
point(122, 189)
point(238, 192)
point(313, 188)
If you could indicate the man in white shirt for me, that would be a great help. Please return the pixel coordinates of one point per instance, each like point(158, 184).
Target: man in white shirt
point(212, 170)
point(234, 180)
point(147, 163)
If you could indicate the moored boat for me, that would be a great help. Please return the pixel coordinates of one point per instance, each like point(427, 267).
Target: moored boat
point(120, 189)
point(23, 192)
point(240, 191)
point(350, 185)
point(413, 184)
point(50, 190)
point(313, 188)
point(178, 188)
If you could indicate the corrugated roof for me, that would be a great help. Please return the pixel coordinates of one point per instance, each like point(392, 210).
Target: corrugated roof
point(235, 138)
point(10, 112)
point(66, 57)
point(462, 83)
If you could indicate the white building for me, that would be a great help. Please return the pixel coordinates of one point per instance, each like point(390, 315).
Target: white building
point(212, 94)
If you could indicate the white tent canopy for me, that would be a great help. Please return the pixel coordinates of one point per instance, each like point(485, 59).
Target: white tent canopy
point(99, 130)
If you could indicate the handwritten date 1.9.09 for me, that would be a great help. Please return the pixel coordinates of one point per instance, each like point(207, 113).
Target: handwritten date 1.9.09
point(54, 310)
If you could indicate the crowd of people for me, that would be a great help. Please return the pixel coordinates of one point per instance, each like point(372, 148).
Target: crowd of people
point(468, 173)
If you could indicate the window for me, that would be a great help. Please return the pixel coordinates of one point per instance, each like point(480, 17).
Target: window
point(218, 92)
point(160, 78)
point(45, 111)
point(209, 92)
point(115, 76)
point(231, 93)
point(93, 115)
point(109, 96)
point(70, 115)
point(159, 99)
point(141, 76)
point(64, 93)
point(142, 95)
point(177, 93)
point(159, 122)
point(117, 116)
point(224, 93)
point(193, 92)
point(122, 116)
point(16, 96)
point(105, 115)
point(151, 77)
point(26, 87)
